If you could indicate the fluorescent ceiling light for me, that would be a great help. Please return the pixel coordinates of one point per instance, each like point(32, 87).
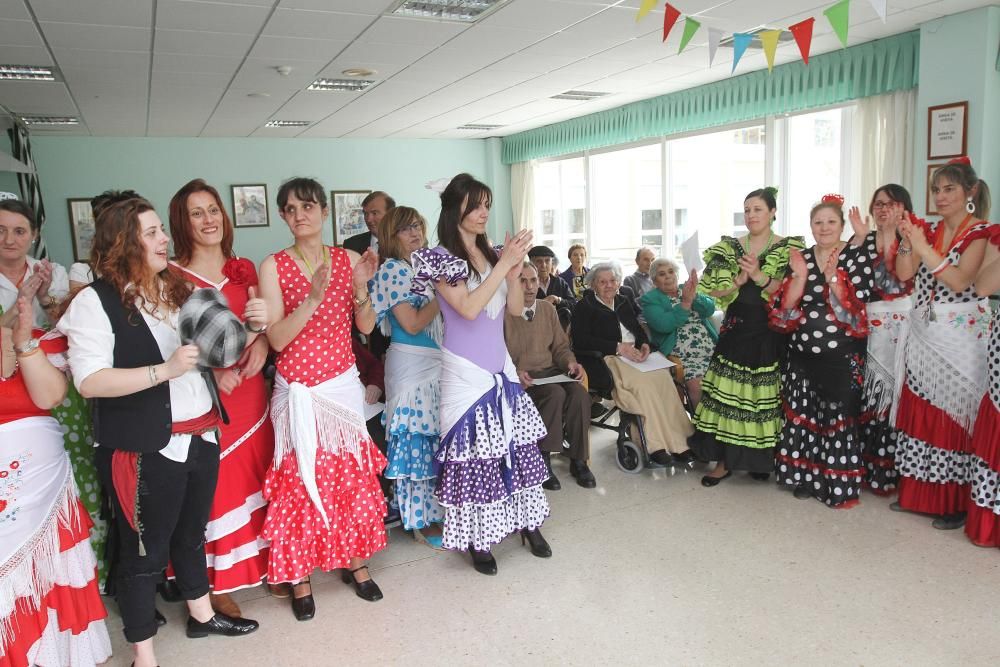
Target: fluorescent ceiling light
point(464, 11)
point(50, 120)
point(478, 127)
point(579, 95)
point(26, 73)
point(349, 85)
point(287, 123)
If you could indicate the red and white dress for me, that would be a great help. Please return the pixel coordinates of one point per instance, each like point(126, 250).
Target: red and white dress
point(51, 611)
point(235, 551)
point(326, 505)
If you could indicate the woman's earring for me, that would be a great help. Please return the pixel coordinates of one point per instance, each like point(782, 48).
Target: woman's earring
point(970, 208)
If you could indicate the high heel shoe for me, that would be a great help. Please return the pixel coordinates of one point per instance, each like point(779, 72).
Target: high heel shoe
point(483, 561)
point(367, 589)
point(304, 607)
point(539, 547)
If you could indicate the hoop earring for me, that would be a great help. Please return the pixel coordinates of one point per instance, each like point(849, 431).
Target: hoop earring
point(970, 208)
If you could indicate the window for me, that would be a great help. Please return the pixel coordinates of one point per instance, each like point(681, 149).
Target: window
point(560, 205)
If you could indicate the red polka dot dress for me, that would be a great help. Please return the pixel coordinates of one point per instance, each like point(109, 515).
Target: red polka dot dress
point(347, 463)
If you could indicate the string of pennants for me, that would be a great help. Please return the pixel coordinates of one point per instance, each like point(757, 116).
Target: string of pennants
point(837, 14)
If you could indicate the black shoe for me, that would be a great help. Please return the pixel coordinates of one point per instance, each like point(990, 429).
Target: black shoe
point(684, 458)
point(597, 410)
point(366, 590)
point(539, 547)
point(161, 620)
point(661, 459)
point(220, 624)
point(760, 476)
point(949, 521)
point(552, 483)
point(304, 608)
point(708, 481)
point(802, 492)
point(483, 561)
point(581, 471)
point(169, 591)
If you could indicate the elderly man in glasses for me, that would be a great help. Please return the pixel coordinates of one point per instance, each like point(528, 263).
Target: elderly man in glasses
point(540, 349)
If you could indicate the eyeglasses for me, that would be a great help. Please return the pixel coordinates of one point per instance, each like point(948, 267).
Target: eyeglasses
point(412, 227)
point(884, 204)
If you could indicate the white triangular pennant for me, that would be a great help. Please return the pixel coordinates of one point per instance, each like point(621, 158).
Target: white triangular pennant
point(879, 7)
point(714, 36)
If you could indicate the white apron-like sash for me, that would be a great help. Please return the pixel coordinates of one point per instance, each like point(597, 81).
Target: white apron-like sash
point(407, 366)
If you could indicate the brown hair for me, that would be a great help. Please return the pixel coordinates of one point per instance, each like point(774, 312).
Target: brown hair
point(964, 175)
point(180, 221)
point(391, 224)
point(378, 194)
point(452, 213)
point(119, 258)
point(575, 246)
point(834, 206)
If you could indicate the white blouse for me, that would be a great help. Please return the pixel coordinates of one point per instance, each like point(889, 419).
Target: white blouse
point(91, 349)
point(58, 289)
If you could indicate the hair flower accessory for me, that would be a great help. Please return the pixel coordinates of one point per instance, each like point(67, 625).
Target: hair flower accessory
point(833, 198)
point(961, 160)
point(240, 271)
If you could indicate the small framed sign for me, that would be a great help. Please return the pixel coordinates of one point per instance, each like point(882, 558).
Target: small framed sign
point(81, 223)
point(348, 218)
point(947, 130)
point(250, 206)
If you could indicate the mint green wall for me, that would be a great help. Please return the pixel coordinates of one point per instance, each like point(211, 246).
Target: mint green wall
point(958, 62)
point(71, 167)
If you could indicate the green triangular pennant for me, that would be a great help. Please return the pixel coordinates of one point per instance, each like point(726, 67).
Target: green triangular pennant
point(838, 17)
point(690, 28)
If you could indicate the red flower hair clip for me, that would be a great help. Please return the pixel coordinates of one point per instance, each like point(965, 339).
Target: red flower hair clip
point(832, 198)
point(961, 160)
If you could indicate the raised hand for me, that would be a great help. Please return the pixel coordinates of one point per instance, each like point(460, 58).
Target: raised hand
point(181, 361)
point(256, 310)
point(365, 270)
point(797, 263)
point(43, 269)
point(30, 287)
point(320, 282)
point(689, 292)
point(24, 323)
point(515, 248)
point(750, 265)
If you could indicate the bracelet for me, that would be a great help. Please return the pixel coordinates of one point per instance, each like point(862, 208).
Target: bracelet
point(363, 302)
point(904, 250)
point(246, 325)
point(25, 355)
point(153, 380)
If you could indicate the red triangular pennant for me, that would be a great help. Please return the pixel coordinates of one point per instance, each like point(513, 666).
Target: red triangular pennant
point(803, 33)
point(670, 16)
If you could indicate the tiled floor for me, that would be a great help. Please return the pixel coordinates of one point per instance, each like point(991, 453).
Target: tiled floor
point(647, 569)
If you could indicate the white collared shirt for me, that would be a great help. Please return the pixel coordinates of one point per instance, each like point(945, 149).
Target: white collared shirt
point(91, 349)
point(526, 310)
point(58, 289)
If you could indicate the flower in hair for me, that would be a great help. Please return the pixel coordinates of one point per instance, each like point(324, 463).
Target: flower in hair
point(961, 160)
point(833, 198)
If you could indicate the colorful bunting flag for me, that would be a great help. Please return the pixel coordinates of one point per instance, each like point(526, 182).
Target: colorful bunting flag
point(838, 17)
point(645, 8)
point(670, 16)
point(690, 28)
point(714, 37)
point(769, 40)
point(879, 7)
point(803, 34)
point(741, 40)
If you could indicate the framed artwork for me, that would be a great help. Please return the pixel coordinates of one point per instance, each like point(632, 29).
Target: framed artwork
point(250, 206)
point(348, 218)
point(81, 224)
point(947, 130)
point(931, 168)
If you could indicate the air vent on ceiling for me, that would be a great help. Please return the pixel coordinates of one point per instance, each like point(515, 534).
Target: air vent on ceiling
point(287, 123)
point(50, 120)
point(478, 127)
point(348, 85)
point(579, 95)
point(727, 42)
point(26, 73)
point(462, 11)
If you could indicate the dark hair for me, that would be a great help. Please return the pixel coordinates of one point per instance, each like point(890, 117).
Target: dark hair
point(965, 176)
point(110, 197)
point(180, 221)
point(372, 196)
point(304, 189)
point(894, 192)
point(452, 214)
point(19, 207)
point(391, 223)
point(768, 194)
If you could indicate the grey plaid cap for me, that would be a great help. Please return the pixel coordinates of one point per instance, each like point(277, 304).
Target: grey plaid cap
point(206, 321)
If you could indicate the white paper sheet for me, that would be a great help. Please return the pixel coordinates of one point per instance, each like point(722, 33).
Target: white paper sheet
point(562, 377)
point(654, 362)
point(692, 254)
point(372, 409)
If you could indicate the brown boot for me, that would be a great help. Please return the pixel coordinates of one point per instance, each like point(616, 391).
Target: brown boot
point(224, 604)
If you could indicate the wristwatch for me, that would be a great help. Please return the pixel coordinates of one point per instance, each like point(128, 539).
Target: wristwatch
point(47, 301)
point(246, 325)
point(27, 348)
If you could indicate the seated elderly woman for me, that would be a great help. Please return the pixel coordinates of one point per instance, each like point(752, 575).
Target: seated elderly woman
point(678, 320)
point(604, 330)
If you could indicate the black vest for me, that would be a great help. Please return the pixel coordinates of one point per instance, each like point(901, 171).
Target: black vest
point(139, 422)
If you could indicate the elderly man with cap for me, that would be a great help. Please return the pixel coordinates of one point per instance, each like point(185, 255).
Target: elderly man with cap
point(551, 287)
point(539, 347)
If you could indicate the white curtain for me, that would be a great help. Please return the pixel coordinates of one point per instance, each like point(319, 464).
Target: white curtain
point(883, 131)
point(522, 194)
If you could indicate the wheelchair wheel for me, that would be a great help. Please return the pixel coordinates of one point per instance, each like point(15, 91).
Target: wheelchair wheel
point(629, 457)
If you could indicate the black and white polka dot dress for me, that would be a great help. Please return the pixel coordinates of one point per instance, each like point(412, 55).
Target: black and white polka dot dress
point(822, 379)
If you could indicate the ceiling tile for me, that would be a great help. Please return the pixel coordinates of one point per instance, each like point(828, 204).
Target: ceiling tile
point(530, 62)
point(370, 7)
point(260, 74)
point(89, 81)
point(316, 25)
point(19, 33)
point(279, 49)
point(238, 104)
point(543, 15)
point(396, 53)
point(82, 36)
point(129, 61)
point(231, 127)
point(49, 98)
point(383, 70)
point(95, 12)
point(14, 9)
point(495, 39)
point(25, 55)
point(399, 30)
point(211, 80)
point(211, 17)
point(313, 105)
point(198, 43)
point(178, 62)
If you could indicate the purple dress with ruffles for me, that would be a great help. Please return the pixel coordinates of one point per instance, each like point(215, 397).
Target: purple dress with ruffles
point(491, 470)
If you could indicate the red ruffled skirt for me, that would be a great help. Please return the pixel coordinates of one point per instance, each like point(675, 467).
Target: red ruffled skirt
point(983, 522)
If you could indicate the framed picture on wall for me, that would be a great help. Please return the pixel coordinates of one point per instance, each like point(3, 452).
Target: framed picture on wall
point(947, 130)
point(348, 218)
point(250, 206)
point(81, 224)
point(931, 168)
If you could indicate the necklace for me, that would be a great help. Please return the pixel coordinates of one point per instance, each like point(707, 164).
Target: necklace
point(305, 261)
point(767, 245)
point(960, 233)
